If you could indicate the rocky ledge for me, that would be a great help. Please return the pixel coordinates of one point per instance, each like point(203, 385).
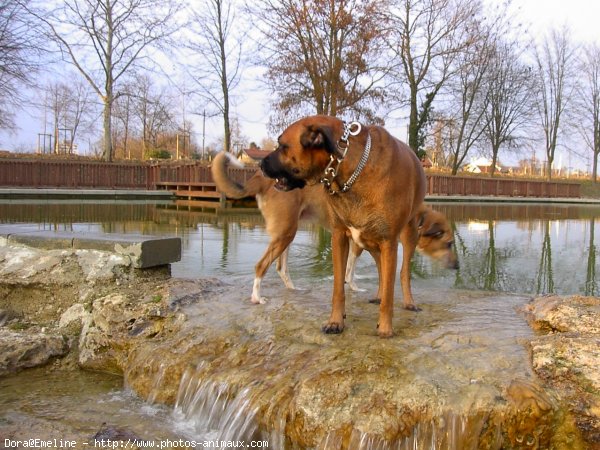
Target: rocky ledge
point(566, 355)
point(466, 372)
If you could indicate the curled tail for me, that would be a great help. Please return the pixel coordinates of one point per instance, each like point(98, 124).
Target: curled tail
point(232, 188)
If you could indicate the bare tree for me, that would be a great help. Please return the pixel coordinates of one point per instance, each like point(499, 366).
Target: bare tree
point(322, 56)
point(72, 111)
point(427, 37)
point(554, 58)
point(19, 52)
point(154, 111)
point(509, 93)
point(466, 114)
point(106, 39)
point(123, 125)
point(218, 41)
point(589, 96)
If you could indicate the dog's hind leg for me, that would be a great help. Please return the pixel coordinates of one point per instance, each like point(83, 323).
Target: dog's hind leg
point(387, 274)
point(355, 252)
point(282, 268)
point(274, 250)
point(409, 238)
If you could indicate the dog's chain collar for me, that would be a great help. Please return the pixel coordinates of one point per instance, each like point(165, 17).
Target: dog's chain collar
point(352, 129)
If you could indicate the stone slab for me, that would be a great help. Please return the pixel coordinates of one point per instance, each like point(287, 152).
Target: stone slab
point(145, 251)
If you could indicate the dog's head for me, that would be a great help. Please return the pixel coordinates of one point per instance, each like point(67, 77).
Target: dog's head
point(436, 239)
point(303, 152)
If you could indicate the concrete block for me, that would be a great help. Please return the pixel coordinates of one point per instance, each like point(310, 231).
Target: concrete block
point(144, 251)
point(47, 240)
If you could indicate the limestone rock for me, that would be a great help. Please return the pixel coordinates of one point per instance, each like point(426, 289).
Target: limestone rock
point(568, 358)
point(566, 314)
point(21, 350)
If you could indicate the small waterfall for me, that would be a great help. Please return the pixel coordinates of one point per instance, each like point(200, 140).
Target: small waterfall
point(157, 384)
point(208, 407)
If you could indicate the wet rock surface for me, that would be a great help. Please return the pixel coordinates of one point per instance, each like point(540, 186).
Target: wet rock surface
point(567, 355)
point(456, 375)
point(22, 350)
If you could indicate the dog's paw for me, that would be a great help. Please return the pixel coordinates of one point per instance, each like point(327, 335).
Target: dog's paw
point(412, 307)
point(258, 300)
point(332, 328)
point(375, 301)
point(385, 333)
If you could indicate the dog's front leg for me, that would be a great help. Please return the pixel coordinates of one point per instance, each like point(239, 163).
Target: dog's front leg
point(339, 247)
point(389, 261)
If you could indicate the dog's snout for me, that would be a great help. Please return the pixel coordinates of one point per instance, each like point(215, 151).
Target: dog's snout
point(266, 164)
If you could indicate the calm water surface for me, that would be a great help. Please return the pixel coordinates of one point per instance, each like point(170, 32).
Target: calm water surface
point(514, 248)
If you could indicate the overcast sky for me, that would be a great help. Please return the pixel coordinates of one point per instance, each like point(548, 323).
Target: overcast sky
point(537, 15)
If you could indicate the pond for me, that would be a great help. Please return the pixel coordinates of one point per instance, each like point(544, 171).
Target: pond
point(514, 248)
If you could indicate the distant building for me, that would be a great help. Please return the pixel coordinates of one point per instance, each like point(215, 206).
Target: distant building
point(481, 165)
point(252, 155)
point(426, 162)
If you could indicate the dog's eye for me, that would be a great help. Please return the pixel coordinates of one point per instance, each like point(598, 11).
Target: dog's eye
point(438, 234)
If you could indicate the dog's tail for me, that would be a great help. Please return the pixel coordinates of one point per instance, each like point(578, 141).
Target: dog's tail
point(226, 185)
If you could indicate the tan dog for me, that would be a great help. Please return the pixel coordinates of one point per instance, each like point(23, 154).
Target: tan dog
point(377, 186)
point(283, 211)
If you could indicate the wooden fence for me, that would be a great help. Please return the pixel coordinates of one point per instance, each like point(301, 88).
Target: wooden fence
point(91, 174)
point(504, 187)
point(74, 174)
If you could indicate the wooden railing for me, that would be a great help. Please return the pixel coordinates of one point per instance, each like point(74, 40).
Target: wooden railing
point(504, 187)
point(74, 174)
point(91, 174)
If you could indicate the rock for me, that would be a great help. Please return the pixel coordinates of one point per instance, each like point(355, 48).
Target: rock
point(75, 313)
point(101, 265)
point(568, 358)
point(21, 350)
point(565, 314)
point(5, 316)
point(112, 433)
point(446, 381)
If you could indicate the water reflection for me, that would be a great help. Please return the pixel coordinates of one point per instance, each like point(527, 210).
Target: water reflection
point(534, 249)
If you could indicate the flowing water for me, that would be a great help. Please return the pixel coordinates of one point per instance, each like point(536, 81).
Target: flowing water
point(507, 252)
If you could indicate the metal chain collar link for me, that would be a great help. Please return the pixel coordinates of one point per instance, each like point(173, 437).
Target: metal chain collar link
point(352, 129)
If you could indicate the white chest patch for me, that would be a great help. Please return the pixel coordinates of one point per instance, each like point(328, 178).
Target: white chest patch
point(356, 236)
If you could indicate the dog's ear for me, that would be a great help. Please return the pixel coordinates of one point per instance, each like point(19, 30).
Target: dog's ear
point(434, 229)
point(318, 137)
point(431, 228)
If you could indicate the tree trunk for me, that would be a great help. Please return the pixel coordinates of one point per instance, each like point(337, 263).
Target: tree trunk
point(549, 169)
point(413, 124)
point(495, 151)
point(595, 168)
point(108, 150)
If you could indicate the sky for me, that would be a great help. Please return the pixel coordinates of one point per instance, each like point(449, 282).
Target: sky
point(538, 16)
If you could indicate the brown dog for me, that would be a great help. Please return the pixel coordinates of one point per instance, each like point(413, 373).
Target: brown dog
point(377, 185)
point(283, 211)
